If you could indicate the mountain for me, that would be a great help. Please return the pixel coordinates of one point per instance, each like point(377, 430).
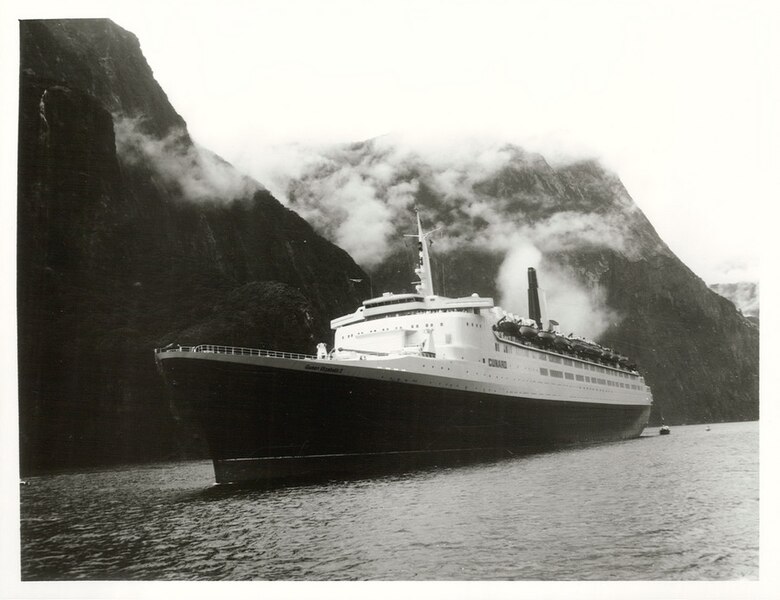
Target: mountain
point(743, 294)
point(607, 273)
point(130, 236)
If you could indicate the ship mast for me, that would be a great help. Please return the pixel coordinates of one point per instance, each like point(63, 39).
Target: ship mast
point(423, 270)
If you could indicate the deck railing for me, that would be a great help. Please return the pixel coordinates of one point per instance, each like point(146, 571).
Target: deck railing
point(233, 350)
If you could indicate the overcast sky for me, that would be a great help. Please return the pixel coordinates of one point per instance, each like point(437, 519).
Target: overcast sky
point(673, 96)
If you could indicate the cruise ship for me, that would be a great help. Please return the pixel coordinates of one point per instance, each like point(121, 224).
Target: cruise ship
point(412, 379)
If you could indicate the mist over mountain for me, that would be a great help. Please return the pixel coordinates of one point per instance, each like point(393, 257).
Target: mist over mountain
point(606, 272)
point(130, 236)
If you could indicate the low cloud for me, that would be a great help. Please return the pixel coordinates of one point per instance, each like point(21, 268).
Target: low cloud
point(361, 197)
point(348, 209)
point(351, 188)
point(198, 174)
point(570, 230)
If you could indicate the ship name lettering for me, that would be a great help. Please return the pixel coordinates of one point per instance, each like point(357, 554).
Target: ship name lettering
point(492, 362)
point(324, 369)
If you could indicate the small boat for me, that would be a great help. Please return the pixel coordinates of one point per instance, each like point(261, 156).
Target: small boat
point(561, 343)
point(508, 327)
point(528, 332)
point(546, 338)
point(664, 430)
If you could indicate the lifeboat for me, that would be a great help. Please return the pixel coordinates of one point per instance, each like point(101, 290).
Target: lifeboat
point(546, 338)
point(528, 332)
point(591, 351)
point(508, 328)
point(562, 343)
point(584, 348)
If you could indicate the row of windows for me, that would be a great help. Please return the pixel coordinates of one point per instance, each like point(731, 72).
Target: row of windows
point(510, 349)
point(587, 379)
point(407, 313)
point(359, 333)
point(590, 367)
point(389, 302)
point(415, 326)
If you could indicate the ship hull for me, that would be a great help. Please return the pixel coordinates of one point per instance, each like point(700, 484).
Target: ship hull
point(264, 423)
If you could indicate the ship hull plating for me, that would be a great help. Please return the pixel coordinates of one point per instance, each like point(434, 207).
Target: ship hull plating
point(264, 423)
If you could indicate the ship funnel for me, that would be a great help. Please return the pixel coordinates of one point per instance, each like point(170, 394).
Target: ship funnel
point(534, 308)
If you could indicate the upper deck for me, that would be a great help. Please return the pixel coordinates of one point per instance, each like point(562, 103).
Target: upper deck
point(390, 305)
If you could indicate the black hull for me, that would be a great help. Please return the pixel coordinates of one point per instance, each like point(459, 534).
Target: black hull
point(266, 424)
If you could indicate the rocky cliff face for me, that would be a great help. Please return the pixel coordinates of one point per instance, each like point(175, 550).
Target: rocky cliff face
point(130, 237)
point(744, 295)
point(607, 273)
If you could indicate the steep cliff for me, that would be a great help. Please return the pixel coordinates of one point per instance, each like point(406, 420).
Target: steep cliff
point(130, 236)
point(744, 295)
point(606, 271)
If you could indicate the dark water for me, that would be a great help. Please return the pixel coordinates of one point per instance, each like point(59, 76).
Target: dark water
point(683, 506)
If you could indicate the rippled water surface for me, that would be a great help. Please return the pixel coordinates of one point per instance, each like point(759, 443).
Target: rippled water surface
point(683, 506)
